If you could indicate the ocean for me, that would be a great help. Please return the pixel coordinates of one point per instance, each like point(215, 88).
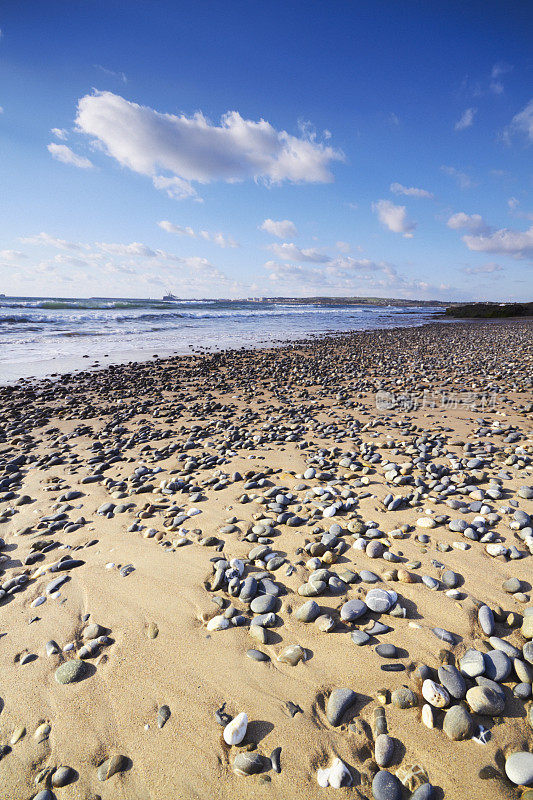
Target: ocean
point(46, 336)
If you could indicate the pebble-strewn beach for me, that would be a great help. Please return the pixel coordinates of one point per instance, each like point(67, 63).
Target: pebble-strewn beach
point(302, 572)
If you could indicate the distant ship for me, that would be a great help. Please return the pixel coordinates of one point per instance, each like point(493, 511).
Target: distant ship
point(170, 296)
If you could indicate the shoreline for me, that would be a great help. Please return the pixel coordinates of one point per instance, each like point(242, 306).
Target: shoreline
point(183, 500)
point(77, 366)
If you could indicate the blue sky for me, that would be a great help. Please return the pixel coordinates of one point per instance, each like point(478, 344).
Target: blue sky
point(286, 148)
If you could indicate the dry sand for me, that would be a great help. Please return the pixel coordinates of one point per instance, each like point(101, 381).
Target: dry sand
point(113, 710)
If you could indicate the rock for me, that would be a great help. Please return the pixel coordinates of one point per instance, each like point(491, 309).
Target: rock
point(527, 626)
point(486, 620)
point(512, 585)
point(339, 774)
point(292, 655)
point(359, 637)
point(519, 768)
point(380, 600)
point(163, 715)
point(472, 663)
point(308, 612)
point(485, 701)
point(386, 786)
point(62, 776)
point(435, 694)
point(452, 680)
point(458, 724)
point(338, 703)
point(403, 697)
point(386, 650)
point(235, 731)
point(384, 750)
point(111, 766)
point(498, 665)
point(248, 763)
point(352, 610)
point(424, 792)
point(257, 655)
point(427, 716)
point(263, 603)
point(218, 623)
point(71, 671)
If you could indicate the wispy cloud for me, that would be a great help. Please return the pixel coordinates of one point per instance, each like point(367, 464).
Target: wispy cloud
point(217, 238)
point(64, 154)
point(120, 76)
point(521, 123)
point(463, 180)
point(498, 70)
point(59, 133)
point(466, 120)
point(485, 269)
point(410, 191)
point(517, 244)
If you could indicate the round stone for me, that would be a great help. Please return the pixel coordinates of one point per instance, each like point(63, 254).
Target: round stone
point(352, 610)
point(386, 650)
point(458, 724)
point(486, 620)
point(452, 680)
point(359, 637)
point(512, 585)
point(384, 750)
point(403, 697)
point(257, 655)
point(70, 671)
point(472, 663)
point(248, 763)
point(485, 701)
point(308, 612)
point(380, 600)
point(338, 703)
point(519, 768)
point(386, 786)
point(497, 665)
point(263, 603)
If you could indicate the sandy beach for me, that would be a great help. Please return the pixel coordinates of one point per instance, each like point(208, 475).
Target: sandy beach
point(189, 507)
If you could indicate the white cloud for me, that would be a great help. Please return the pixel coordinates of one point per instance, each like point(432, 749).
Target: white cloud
point(169, 227)
point(517, 244)
point(59, 133)
point(12, 255)
point(1, 110)
point(282, 228)
point(464, 180)
point(394, 218)
point(290, 252)
point(50, 241)
point(485, 269)
point(133, 249)
point(217, 238)
point(176, 188)
point(344, 247)
point(466, 120)
point(471, 222)
point(64, 154)
point(175, 150)
point(522, 123)
point(410, 191)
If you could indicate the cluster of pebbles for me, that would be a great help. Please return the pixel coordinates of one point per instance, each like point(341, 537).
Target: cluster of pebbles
point(160, 442)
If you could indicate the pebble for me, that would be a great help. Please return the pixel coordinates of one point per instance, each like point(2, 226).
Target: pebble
point(248, 763)
point(386, 786)
point(70, 671)
point(519, 768)
point(235, 731)
point(111, 766)
point(458, 724)
point(339, 701)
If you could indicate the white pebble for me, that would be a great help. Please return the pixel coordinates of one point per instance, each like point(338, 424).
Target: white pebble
point(235, 731)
